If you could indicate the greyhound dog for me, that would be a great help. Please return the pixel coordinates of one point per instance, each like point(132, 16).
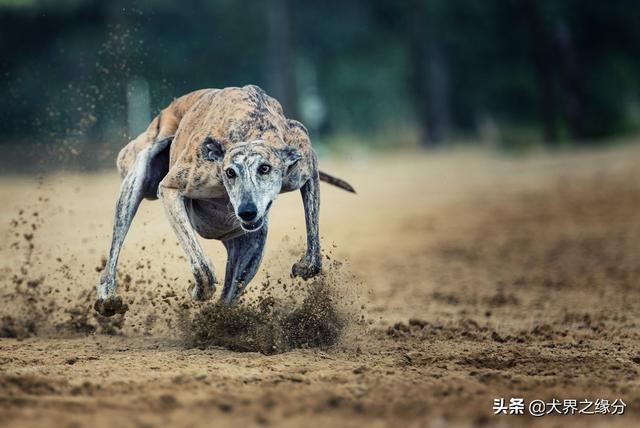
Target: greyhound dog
point(218, 158)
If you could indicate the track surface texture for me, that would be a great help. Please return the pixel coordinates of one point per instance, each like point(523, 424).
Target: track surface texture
point(452, 279)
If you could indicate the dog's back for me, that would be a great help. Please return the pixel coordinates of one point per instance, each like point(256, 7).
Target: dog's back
point(164, 125)
point(230, 115)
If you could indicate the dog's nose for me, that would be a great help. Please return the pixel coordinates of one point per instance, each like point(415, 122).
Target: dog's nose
point(248, 212)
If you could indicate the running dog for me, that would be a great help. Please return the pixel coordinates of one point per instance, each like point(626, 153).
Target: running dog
point(217, 159)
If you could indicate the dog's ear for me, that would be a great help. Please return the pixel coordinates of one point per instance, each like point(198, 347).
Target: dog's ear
point(290, 155)
point(212, 150)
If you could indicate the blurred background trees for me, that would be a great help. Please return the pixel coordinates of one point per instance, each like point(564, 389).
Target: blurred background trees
point(380, 72)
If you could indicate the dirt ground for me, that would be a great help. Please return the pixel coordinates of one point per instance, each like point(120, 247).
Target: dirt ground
point(462, 276)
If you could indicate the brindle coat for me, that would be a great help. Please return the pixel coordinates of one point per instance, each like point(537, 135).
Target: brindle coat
point(217, 158)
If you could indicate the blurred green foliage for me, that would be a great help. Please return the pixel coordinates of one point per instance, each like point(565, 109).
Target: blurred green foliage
point(511, 71)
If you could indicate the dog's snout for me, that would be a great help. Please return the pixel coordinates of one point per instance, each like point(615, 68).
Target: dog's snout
point(248, 211)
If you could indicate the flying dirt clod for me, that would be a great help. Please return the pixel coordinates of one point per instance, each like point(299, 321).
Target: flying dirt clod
point(218, 158)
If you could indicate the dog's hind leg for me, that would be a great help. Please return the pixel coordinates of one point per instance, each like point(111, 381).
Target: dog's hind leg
point(311, 263)
point(244, 254)
point(139, 182)
point(205, 279)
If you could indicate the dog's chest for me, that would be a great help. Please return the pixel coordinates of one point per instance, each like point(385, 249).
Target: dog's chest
point(213, 218)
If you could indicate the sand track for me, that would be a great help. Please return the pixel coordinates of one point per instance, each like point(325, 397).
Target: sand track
point(477, 277)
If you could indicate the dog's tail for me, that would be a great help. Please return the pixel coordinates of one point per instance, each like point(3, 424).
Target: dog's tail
point(336, 182)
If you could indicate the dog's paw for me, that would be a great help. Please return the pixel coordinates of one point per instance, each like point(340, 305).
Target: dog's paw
point(110, 306)
point(306, 270)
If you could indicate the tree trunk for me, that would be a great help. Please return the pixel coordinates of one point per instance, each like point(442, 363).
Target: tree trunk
point(543, 71)
point(570, 80)
point(428, 77)
point(280, 73)
point(439, 92)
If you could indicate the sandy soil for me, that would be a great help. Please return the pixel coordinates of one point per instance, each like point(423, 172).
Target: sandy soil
point(465, 277)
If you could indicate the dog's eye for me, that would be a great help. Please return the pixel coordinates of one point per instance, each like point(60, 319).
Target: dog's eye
point(264, 169)
point(230, 173)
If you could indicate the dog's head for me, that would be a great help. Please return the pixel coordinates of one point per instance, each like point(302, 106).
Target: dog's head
point(252, 174)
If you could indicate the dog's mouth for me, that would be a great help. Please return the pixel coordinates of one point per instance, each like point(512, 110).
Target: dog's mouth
point(253, 226)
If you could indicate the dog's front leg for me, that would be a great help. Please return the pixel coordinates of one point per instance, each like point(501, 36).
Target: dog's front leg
point(131, 193)
point(311, 263)
point(201, 267)
point(244, 254)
